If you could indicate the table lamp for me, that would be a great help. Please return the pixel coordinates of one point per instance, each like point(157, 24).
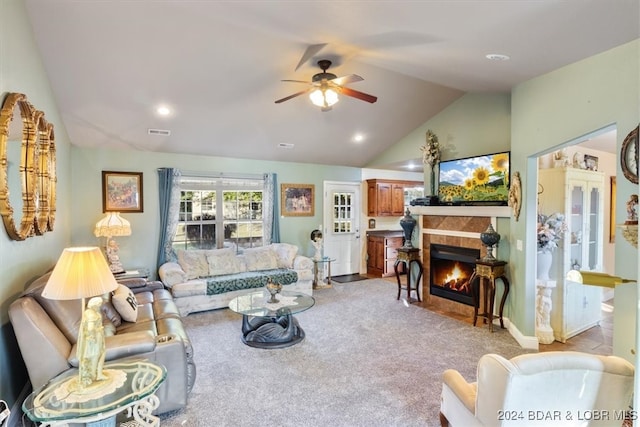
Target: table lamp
point(80, 273)
point(109, 226)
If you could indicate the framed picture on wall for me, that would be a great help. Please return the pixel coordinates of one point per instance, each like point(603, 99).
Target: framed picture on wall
point(297, 199)
point(591, 162)
point(122, 191)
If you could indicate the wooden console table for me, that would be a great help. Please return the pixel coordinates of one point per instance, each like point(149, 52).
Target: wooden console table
point(407, 256)
point(487, 272)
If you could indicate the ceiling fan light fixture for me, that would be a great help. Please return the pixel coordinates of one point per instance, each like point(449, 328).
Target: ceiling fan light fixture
point(323, 97)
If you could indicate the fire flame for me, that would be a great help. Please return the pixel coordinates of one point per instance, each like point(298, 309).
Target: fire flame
point(455, 274)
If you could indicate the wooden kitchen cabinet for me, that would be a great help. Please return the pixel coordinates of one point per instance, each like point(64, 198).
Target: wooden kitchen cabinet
point(382, 252)
point(387, 197)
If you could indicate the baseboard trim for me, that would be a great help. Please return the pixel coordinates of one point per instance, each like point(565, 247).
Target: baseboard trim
point(526, 342)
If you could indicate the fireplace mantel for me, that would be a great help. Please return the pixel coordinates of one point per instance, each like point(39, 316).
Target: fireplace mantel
point(482, 211)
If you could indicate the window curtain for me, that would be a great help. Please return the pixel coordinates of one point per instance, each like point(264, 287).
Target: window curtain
point(169, 189)
point(271, 211)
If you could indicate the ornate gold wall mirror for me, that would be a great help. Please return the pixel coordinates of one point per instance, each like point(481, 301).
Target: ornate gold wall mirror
point(26, 141)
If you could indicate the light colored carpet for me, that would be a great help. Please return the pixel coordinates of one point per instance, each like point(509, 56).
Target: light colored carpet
point(367, 360)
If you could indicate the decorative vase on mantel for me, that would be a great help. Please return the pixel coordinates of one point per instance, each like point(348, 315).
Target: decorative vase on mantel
point(543, 265)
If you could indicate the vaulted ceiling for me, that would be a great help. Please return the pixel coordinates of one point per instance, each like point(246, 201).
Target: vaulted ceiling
point(218, 66)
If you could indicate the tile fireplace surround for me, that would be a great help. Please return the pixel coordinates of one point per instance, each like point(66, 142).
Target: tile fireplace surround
point(454, 226)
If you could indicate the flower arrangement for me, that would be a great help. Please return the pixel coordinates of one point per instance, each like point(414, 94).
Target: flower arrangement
point(551, 229)
point(431, 150)
point(431, 156)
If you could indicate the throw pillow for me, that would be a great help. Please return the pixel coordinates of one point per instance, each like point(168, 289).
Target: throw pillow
point(285, 253)
point(193, 262)
point(125, 302)
point(263, 258)
point(222, 261)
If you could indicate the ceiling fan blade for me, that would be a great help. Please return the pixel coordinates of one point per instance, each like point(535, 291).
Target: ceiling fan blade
point(295, 81)
point(309, 53)
point(302, 92)
point(360, 95)
point(351, 78)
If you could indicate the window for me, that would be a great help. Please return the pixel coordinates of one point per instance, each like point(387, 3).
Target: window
point(208, 205)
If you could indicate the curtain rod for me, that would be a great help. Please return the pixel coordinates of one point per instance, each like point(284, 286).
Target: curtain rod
point(206, 174)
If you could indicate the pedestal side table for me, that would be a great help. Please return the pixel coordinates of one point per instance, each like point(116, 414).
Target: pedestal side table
point(318, 264)
point(132, 389)
point(408, 256)
point(487, 272)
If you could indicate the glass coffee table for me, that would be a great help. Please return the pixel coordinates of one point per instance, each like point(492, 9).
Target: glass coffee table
point(267, 324)
point(133, 389)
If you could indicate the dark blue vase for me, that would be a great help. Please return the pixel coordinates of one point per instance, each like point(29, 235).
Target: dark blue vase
point(408, 223)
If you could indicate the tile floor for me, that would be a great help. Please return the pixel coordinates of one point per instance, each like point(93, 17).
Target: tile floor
point(597, 340)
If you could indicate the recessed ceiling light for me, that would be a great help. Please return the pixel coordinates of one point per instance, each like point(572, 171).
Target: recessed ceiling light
point(358, 137)
point(163, 110)
point(411, 166)
point(497, 57)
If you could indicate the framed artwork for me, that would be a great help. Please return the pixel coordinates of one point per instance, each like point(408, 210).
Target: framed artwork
point(297, 199)
point(591, 162)
point(122, 191)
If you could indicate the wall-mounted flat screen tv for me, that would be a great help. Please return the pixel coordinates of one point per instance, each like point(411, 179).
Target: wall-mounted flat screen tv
point(478, 180)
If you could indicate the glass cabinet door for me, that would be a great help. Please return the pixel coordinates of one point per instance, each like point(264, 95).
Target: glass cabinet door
point(576, 222)
point(592, 228)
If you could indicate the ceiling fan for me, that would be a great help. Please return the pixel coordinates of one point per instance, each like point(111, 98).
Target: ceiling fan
point(325, 87)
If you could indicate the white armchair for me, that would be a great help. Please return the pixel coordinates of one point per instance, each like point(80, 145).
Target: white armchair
point(564, 388)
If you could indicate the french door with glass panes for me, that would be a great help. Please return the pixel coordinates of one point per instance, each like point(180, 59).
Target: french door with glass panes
point(341, 228)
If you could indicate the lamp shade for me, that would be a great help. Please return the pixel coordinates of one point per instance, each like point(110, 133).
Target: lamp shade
point(323, 97)
point(80, 272)
point(112, 225)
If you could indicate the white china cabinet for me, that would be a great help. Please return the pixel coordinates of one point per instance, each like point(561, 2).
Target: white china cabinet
point(579, 195)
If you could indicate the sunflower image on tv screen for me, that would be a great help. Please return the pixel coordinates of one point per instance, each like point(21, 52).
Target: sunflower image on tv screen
point(475, 180)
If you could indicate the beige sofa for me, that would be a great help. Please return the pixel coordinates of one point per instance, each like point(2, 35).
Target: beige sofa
point(201, 280)
point(47, 331)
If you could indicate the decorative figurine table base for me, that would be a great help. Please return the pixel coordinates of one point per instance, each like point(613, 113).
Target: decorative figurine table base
point(271, 332)
point(266, 324)
point(407, 256)
point(317, 280)
point(487, 272)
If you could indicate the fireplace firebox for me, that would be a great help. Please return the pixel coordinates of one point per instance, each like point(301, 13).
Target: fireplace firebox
point(450, 269)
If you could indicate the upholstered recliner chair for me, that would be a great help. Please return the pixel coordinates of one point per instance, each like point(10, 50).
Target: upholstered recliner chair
point(562, 388)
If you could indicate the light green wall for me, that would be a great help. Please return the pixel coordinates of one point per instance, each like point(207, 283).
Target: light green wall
point(139, 249)
point(555, 108)
point(473, 124)
point(20, 261)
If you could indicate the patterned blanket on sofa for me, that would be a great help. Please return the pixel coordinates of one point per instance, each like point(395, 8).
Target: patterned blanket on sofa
point(249, 279)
